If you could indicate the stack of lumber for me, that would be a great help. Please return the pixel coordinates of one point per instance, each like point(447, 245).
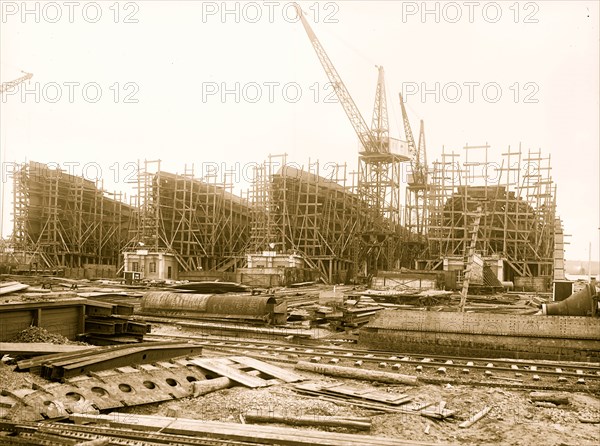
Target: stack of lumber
point(356, 316)
point(109, 323)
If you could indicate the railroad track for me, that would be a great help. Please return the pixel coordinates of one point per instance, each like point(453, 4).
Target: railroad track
point(61, 434)
point(429, 368)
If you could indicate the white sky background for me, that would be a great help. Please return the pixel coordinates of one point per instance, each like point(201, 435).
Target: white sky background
point(174, 51)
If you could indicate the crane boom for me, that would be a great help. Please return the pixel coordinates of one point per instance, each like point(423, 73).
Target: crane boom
point(422, 155)
point(6, 85)
point(418, 164)
point(367, 140)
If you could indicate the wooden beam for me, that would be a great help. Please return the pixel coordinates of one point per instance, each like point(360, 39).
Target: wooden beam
point(271, 435)
point(348, 372)
point(38, 348)
point(212, 365)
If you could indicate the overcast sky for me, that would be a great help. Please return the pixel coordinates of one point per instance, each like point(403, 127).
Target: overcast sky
point(213, 83)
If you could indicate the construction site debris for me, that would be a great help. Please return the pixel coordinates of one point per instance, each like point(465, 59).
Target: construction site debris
point(367, 397)
point(438, 412)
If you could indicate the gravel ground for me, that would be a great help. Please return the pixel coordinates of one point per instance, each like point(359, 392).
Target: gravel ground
point(513, 420)
point(37, 334)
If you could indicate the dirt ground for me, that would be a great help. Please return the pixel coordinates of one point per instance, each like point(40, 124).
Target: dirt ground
point(513, 420)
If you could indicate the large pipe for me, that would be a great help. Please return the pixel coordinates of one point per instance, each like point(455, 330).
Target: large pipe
point(582, 303)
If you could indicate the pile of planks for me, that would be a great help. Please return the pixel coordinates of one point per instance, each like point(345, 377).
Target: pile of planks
point(368, 398)
point(354, 317)
point(109, 323)
point(345, 316)
point(373, 399)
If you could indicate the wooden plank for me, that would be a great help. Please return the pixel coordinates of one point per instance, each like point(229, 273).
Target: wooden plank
point(12, 287)
point(349, 372)
point(39, 348)
point(235, 375)
point(478, 416)
point(316, 420)
point(370, 394)
point(372, 405)
point(260, 434)
point(268, 369)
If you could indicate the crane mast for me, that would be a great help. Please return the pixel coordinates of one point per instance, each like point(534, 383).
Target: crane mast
point(367, 140)
point(417, 184)
point(6, 85)
point(380, 127)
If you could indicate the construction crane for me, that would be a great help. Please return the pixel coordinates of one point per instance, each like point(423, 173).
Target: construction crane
point(371, 140)
point(6, 85)
point(417, 182)
point(379, 167)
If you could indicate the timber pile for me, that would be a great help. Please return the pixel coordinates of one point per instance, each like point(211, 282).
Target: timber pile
point(65, 365)
point(109, 323)
point(354, 317)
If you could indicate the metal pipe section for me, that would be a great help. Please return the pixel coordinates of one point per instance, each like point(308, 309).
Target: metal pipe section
point(231, 306)
point(582, 303)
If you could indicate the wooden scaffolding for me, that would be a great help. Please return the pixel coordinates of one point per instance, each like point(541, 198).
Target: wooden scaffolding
point(62, 220)
point(517, 197)
point(200, 221)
